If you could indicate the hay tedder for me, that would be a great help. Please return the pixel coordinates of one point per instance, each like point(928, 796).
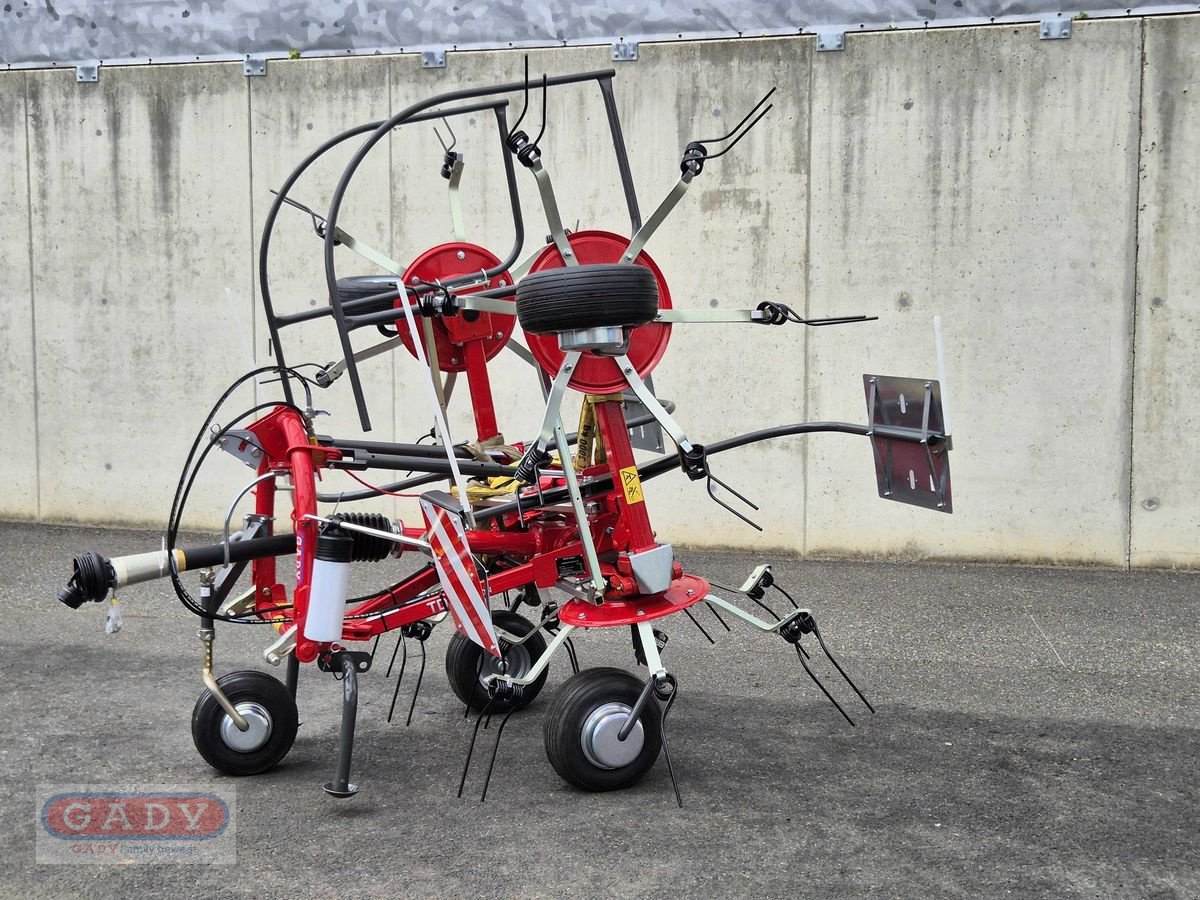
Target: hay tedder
point(557, 523)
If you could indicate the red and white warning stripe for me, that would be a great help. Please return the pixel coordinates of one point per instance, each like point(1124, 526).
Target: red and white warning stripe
point(460, 581)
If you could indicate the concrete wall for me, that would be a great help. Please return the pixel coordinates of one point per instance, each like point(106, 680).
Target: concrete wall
point(1037, 194)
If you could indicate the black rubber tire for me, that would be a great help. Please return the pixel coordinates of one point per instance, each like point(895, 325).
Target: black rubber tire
point(245, 686)
point(356, 287)
point(578, 297)
point(464, 658)
point(574, 702)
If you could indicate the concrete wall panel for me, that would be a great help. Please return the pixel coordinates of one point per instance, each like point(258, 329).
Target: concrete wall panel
point(1165, 512)
point(989, 177)
point(141, 220)
point(19, 495)
point(977, 173)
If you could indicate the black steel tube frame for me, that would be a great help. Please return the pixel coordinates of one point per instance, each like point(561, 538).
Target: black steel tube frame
point(276, 322)
point(396, 463)
point(402, 117)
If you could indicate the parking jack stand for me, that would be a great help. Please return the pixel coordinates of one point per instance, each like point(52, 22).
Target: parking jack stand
point(350, 664)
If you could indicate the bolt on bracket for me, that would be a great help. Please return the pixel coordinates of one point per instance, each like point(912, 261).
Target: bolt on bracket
point(87, 72)
point(254, 66)
point(1057, 29)
point(831, 40)
point(625, 51)
point(433, 59)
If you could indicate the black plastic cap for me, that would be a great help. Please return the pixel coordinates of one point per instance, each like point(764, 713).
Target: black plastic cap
point(335, 545)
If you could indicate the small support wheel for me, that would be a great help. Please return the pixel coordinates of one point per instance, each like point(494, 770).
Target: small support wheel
point(268, 708)
point(467, 664)
point(582, 727)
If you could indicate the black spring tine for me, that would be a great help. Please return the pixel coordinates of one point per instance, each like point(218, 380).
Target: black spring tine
point(571, 655)
point(453, 136)
point(735, 128)
point(745, 132)
point(524, 105)
point(471, 749)
point(495, 749)
point(417, 689)
point(726, 506)
point(399, 675)
point(388, 674)
point(318, 221)
point(375, 646)
point(712, 609)
point(802, 650)
point(735, 493)
point(795, 605)
point(817, 681)
point(696, 622)
point(764, 606)
point(538, 139)
point(821, 641)
point(662, 727)
point(478, 674)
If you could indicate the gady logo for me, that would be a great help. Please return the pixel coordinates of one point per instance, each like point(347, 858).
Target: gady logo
point(135, 816)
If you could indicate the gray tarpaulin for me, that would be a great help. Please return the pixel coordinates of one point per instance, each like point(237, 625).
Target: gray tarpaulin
point(64, 32)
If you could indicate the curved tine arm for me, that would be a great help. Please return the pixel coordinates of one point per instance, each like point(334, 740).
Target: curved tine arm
point(767, 627)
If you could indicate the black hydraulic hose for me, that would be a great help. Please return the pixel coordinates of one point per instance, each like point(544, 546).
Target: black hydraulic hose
point(669, 462)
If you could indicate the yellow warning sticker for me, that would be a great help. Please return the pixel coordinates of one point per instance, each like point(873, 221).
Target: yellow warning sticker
point(632, 485)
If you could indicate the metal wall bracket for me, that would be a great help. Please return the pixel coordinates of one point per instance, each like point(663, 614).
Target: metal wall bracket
point(85, 72)
point(625, 51)
point(254, 66)
point(831, 40)
point(433, 59)
point(1056, 29)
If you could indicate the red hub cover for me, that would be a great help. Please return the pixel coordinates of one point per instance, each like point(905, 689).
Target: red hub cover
point(450, 334)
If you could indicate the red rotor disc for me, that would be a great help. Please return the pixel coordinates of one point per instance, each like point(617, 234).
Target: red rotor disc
point(442, 263)
point(647, 343)
point(683, 592)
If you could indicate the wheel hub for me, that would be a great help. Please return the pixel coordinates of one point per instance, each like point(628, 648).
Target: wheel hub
point(516, 663)
point(599, 737)
point(255, 736)
point(602, 337)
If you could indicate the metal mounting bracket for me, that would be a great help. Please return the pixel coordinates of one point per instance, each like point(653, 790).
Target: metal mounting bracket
point(1056, 29)
point(625, 51)
point(254, 66)
point(433, 59)
point(831, 40)
point(87, 72)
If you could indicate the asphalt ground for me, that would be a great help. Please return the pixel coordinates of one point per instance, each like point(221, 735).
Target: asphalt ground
point(1036, 736)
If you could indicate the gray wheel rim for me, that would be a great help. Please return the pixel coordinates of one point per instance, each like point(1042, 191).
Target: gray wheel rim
point(599, 737)
point(515, 655)
point(256, 736)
